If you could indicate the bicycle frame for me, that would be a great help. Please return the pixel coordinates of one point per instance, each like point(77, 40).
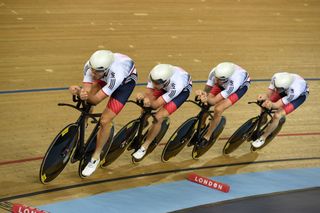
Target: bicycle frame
point(258, 124)
point(69, 143)
point(199, 116)
point(84, 108)
point(147, 111)
point(129, 136)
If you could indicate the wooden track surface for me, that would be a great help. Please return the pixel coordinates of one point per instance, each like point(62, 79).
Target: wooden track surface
point(44, 44)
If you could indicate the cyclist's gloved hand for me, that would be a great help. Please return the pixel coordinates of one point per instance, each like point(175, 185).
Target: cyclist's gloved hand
point(262, 97)
point(84, 94)
point(146, 102)
point(140, 96)
point(198, 94)
point(267, 104)
point(204, 98)
point(74, 90)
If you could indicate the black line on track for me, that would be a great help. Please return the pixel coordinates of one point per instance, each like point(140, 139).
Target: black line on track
point(150, 174)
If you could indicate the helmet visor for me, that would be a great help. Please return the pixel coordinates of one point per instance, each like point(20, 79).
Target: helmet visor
point(222, 79)
point(158, 81)
point(280, 89)
point(98, 69)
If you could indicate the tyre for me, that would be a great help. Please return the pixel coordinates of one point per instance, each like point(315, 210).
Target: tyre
point(179, 139)
point(58, 153)
point(239, 136)
point(121, 141)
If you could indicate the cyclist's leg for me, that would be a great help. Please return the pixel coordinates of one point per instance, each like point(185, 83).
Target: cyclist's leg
point(103, 134)
point(163, 113)
point(102, 137)
point(280, 113)
point(214, 91)
point(274, 123)
point(115, 104)
point(94, 88)
point(156, 126)
point(274, 97)
point(286, 110)
point(155, 94)
point(218, 110)
point(221, 107)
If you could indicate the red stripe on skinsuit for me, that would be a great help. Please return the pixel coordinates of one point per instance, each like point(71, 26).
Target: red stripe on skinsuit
point(170, 107)
point(233, 98)
point(115, 105)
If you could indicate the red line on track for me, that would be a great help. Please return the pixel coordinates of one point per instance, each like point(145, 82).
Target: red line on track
point(20, 160)
point(224, 138)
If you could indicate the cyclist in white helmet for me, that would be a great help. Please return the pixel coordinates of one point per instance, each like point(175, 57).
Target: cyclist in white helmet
point(286, 93)
point(226, 84)
point(167, 89)
point(106, 74)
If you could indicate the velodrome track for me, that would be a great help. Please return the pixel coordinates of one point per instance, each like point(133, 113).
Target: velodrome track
point(45, 44)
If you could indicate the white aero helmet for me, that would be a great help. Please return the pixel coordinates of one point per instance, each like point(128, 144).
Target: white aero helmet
point(161, 73)
point(224, 70)
point(101, 60)
point(283, 80)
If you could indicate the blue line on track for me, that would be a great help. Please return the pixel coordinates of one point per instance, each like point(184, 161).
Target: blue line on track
point(138, 84)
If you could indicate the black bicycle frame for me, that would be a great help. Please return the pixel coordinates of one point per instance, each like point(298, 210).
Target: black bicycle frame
point(84, 108)
point(147, 111)
point(265, 111)
point(204, 109)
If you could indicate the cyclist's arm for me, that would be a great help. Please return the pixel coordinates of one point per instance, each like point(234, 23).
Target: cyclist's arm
point(277, 105)
point(96, 98)
point(112, 84)
point(87, 86)
point(266, 96)
point(207, 88)
point(157, 103)
point(168, 96)
point(286, 99)
point(212, 100)
point(231, 88)
point(149, 94)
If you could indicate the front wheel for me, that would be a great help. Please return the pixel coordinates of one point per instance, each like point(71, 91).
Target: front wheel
point(179, 139)
point(121, 141)
point(239, 136)
point(58, 153)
